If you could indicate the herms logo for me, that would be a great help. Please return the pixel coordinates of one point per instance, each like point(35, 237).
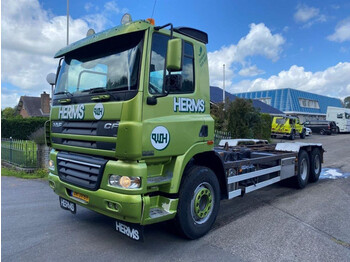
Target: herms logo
point(71, 112)
point(160, 137)
point(128, 231)
point(98, 111)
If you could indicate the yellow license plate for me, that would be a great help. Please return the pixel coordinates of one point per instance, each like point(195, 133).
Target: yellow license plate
point(80, 196)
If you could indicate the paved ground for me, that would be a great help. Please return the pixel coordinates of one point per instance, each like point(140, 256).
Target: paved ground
point(273, 224)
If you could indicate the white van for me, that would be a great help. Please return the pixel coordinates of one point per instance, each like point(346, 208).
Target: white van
point(341, 116)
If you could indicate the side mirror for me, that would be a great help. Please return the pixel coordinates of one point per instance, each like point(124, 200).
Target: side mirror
point(174, 55)
point(51, 78)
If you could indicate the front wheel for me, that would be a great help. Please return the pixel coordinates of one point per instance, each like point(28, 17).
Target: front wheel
point(199, 202)
point(303, 134)
point(292, 135)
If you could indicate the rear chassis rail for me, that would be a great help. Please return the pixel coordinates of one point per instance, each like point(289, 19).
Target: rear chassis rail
point(264, 166)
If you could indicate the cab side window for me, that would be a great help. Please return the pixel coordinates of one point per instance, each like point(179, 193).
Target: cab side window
point(156, 76)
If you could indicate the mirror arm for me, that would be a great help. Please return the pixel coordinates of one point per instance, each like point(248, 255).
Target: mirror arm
point(163, 26)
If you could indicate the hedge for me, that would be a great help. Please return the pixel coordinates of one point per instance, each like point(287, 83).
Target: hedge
point(21, 128)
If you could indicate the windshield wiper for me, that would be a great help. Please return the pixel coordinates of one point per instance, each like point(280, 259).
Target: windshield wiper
point(64, 93)
point(96, 90)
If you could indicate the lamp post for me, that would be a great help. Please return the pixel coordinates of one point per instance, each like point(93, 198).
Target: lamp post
point(67, 22)
point(223, 86)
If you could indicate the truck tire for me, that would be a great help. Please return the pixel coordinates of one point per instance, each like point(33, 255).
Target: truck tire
point(322, 132)
point(302, 177)
point(292, 135)
point(315, 165)
point(199, 202)
point(338, 130)
point(303, 134)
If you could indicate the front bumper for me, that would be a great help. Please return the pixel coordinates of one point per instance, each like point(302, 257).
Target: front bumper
point(136, 208)
point(129, 207)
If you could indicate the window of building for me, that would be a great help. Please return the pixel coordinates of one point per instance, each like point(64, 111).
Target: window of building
point(156, 76)
point(266, 100)
point(303, 102)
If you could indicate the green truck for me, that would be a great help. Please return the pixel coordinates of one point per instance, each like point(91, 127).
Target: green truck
point(132, 136)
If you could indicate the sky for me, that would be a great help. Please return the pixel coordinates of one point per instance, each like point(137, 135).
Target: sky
point(264, 44)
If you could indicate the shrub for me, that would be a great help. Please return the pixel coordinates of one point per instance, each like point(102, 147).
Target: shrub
point(21, 128)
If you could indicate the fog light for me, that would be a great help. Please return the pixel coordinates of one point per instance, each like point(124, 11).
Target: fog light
point(125, 181)
point(52, 165)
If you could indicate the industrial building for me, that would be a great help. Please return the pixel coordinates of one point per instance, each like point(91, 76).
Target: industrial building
point(216, 96)
point(305, 105)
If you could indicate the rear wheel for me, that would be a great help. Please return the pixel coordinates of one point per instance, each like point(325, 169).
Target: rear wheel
point(315, 165)
point(199, 202)
point(322, 132)
point(302, 177)
point(338, 130)
point(303, 134)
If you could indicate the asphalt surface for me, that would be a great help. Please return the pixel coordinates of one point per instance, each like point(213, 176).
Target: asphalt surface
point(277, 223)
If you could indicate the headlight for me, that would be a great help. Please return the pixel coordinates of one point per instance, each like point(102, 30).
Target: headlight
point(51, 165)
point(127, 182)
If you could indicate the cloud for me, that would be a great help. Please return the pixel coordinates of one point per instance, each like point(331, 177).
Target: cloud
point(31, 36)
point(342, 31)
point(8, 98)
point(334, 81)
point(251, 71)
point(308, 15)
point(258, 42)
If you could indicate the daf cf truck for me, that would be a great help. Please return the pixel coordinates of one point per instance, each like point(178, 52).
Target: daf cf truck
point(132, 136)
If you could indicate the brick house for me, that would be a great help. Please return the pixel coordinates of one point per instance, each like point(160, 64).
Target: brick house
point(29, 106)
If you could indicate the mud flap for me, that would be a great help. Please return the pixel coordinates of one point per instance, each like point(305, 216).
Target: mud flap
point(133, 231)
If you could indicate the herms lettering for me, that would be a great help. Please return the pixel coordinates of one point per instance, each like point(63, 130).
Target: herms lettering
point(124, 229)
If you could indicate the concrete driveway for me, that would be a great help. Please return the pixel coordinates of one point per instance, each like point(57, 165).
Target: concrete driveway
point(273, 224)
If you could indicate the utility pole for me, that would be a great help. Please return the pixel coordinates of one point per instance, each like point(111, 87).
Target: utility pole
point(223, 89)
point(67, 22)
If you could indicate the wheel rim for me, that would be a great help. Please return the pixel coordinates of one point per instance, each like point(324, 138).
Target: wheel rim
point(317, 165)
point(202, 203)
point(303, 169)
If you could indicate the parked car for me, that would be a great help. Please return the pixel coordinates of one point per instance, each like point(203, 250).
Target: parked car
point(321, 127)
point(308, 131)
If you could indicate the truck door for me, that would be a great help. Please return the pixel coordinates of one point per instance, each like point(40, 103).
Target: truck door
point(174, 123)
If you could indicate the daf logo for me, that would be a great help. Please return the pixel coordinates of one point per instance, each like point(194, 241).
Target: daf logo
point(57, 124)
point(110, 125)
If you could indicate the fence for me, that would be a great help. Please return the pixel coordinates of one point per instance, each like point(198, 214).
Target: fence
point(22, 153)
point(218, 135)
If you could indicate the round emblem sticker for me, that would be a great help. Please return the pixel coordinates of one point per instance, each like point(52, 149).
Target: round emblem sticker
point(160, 137)
point(98, 111)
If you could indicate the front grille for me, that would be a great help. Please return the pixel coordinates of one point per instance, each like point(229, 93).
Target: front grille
point(87, 128)
point(80, 170)
point(86, 144)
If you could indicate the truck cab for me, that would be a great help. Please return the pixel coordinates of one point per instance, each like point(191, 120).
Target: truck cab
point(120, 97)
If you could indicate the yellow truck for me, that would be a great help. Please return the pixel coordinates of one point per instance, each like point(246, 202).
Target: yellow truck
point(287, 126)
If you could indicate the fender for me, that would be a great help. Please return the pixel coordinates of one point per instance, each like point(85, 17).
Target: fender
point(182, 161)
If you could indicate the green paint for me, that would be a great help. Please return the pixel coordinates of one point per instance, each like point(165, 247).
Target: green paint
point(157, 157)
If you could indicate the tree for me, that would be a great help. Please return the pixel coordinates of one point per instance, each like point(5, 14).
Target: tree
point(8, 112)
point(347, 102)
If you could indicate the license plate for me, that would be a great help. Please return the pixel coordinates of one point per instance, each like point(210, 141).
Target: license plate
point(80, 196)
point(67, 205)
point(133, 231)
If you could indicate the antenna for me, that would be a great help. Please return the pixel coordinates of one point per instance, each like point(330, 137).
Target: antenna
point(155, 1)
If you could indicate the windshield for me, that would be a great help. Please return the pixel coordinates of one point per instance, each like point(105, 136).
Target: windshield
point(108, 65)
